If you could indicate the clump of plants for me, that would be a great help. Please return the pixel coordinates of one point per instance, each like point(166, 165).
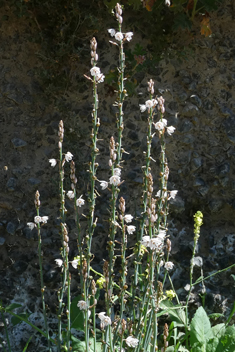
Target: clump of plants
point(135, 305)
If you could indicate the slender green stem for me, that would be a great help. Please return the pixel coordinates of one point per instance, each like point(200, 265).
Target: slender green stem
point(147, 170)
point(194, 9)
point(173, 288)
point(209, 276)
point(62, 221)
point(68, 311)
point(121, 96)
point(42, 282)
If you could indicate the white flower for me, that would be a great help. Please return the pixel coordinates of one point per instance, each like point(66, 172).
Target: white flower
point(159, 125)
point(105, 320)
point(68, 156)
point(53, 162)
point(115, 180)
point(164, 194)
point(169, 266)
point(100, 78)
point(167, 3)
point(82, 305)
point(155, 243)
point(145, 241)
point(59, 262)
point(117, 171)
point(104, 184)
point(119, 36)
point(112, 32)
point(80, 201)
point(95, 71)
point(128, 218)
point(173, 194)
point(31, 225)
point(155, 102)
point(130, 229)
point(142, 107)
point(149, 104)
point(37, 219)
point(164, 121)
point(70, 194)
point(162, 234)
point(74, 263)
point(132, 341)
point(128, 36)
point(170, 130)
point(158, 194)
point(44, 219)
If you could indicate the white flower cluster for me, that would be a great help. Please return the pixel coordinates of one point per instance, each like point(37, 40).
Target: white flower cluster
point(169, 266)
point(74, 263)
point(172, 194)
point(104, 320)
point(37, 220)
point(167, 3)
point(132, 341)
point(155, 243)
point(68, 157)
point(162, 124)
point(114, 180)
point(120, 36)
point(82, 305)
point(130, 228)
point(79, 202)
point(95, 72)
point(148, 105)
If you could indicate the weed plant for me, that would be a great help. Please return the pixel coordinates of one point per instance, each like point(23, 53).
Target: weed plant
point(135, 308)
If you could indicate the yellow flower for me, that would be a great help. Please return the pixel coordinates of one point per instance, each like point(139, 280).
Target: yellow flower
point(170, 294)
point(100, 282)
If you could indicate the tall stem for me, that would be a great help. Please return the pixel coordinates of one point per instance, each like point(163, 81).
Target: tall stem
point(62, 221)
point(37, 205)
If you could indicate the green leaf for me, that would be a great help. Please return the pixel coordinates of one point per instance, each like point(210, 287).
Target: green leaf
point(212, 345)
point(27, 344)
point(227, 340)
point(200, 328)
point(12, 306)
point(215, 315)
point(181, 20)
point(170, 349)
point(231, 314)
point(16, 319)
point(77, 317)
point(80, 346)
point(209, 5)
point(176, 312)
point(183, 349)
point(218, 330)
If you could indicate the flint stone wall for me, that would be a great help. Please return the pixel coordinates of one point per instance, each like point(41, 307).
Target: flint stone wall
point(200, 103)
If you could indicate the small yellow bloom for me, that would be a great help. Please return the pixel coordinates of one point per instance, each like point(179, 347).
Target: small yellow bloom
point(100, 282)
point(170, 294)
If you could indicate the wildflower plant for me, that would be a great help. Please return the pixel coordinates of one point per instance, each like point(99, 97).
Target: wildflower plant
point(141, 299)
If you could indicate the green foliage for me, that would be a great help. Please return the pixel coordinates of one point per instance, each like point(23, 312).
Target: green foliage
point(200, 329)
point(77, 317)
point(80, 346)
